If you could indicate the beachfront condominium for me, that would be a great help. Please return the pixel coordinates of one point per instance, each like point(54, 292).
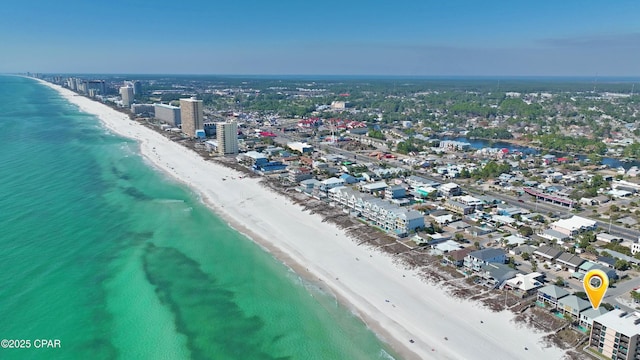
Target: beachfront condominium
point(615, 335)
point(167, 113)
point(191, 115)
point(227, 136)
point(126, 92)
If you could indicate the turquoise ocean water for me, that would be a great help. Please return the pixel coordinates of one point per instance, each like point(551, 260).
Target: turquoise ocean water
point(117, 261)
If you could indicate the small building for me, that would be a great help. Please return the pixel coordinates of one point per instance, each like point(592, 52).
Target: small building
point(300, 147)
point(309, 185)
point(590, 265)
point(525, 284)
point(574, 225)
point(456, 258)
point(395, 192)
point(551, 294)
point(569, 261)
point(476, 259)
point(573, 306)
point(608, 238)
point(458, 207)
point(330, 183)
point(587, 316)
point(374, 187)
point(495, 274)
point(450, 189)
point(547, 253)
point(554, 235)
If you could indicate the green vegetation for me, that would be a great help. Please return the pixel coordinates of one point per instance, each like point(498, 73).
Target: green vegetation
point(492, 169)
point(490, 133)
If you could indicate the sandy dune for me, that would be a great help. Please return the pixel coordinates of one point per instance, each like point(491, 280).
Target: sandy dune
point(393, 301)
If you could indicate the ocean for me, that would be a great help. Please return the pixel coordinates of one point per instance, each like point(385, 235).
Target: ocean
point(114, 259)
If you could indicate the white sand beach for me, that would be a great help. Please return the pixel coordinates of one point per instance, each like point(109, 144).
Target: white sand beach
point(393, 301)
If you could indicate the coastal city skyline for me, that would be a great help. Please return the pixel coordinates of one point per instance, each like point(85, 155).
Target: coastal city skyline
point(461, 38)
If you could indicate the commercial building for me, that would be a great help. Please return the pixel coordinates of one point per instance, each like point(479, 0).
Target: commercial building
point(168, 114)
point(300, 147)
point(227, 136)
point(574, 225)
point(615, 335)
point(126, 92)
point(191, 116)
point(142, 109)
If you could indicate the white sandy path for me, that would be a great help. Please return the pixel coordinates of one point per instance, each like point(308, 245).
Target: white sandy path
point(415, 310)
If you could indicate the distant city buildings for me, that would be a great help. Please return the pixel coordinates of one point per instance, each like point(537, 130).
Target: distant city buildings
point(227, 136)
point(142, 109)
point(126, 92)
point(168, 114)
point(191, 116)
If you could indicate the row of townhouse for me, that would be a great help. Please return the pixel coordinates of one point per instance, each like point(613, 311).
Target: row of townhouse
point(559, 299)
point(381, 213)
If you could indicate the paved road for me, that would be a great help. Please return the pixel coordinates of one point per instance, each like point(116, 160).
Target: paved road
point(528, 202)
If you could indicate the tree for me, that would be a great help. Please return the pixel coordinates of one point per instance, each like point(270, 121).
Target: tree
point(559, 281)
point(477, 245)
point(526, 231)
point(582, 295)
point(635, 296)
point(621, 265)
point(525, 256)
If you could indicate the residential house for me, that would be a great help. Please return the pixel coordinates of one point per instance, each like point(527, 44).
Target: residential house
point(456, 258)
point(550, 295)
point(450, 189)
point(573, 306)
point(495, 274)
point(309, 185)
point(525, 284)
point(554, 235)
point(587, 316)
point(395, 192)
point(547, 253)
point(330, 183)
point(458, 207)
point(590, 265)
point(476, 259)
point(569, 261)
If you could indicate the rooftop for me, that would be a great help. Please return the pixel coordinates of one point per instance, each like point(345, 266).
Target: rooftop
point(620, 321)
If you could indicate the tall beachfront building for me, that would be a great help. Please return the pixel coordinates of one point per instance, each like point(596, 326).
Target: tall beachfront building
point(191, 115)
point(126, 92)
point(227, 136)
point(167, 113)
point(616, 335)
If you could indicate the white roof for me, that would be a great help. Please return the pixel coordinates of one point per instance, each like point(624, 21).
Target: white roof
point(621, 322)
point(449, 186)
point(574, 223)
point(525, 282)
point(333, 180)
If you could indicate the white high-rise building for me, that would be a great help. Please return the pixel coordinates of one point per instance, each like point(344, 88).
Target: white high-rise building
point(167, 113)
point(126, 92)
point(227, 136)
point(191, 115)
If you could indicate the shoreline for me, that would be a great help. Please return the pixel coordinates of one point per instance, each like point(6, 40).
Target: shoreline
point(393, 302)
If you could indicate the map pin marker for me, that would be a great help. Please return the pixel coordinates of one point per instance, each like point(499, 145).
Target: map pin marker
point(595, 283)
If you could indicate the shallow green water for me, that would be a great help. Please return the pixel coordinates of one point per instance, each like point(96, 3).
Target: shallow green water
point(115, 260)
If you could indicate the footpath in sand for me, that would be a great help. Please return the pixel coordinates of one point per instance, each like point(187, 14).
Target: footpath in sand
point(393, 301)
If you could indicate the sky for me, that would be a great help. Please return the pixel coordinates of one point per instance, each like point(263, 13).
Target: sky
point(329, 37)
